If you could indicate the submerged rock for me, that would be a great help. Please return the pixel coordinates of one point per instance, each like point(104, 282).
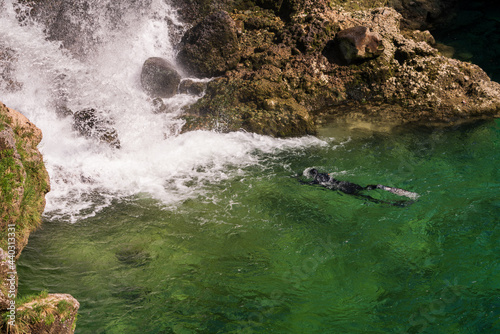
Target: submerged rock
point(89, 124)
point(133, 256)
point(211, 47)
point(159, 78)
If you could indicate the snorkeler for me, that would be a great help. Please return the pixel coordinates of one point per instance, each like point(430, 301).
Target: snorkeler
point(350, 188)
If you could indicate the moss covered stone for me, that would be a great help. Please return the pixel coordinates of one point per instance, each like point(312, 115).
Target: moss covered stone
point(211, 47)
point(24, 182)
point(286, 81)
point(23, 177)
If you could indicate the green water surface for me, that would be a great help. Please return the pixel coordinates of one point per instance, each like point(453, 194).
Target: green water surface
point(263, 253)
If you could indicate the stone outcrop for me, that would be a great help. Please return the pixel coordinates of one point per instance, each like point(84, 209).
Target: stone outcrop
point(24, 183)
point(22, 169)
point(211, 47)
point(159, 78)
point(55, 314)
point(287, 81)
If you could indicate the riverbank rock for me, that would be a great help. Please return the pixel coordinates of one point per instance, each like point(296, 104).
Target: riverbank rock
point(211, 47)
point(21, 168)
point(159, 78)
point(24, 182)
point(286, 83)
point(55, 313)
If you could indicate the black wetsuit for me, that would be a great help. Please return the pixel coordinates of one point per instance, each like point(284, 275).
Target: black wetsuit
point(329, 182)
point(325, 180)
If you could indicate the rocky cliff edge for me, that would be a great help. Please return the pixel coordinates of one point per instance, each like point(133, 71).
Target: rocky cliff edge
point(24, 182)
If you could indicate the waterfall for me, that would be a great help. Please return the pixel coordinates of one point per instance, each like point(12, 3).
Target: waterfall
point(101, 70)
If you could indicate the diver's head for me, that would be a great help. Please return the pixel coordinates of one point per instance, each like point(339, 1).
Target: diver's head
point(310, 172)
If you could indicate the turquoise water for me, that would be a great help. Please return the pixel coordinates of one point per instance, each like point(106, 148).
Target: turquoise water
point(260, 252)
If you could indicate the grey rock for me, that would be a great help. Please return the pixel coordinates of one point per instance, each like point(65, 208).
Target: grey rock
point(211, 47)
point(90, 125)
point(159, 78)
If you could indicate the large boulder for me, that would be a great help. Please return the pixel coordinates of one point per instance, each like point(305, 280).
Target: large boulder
point(211, 47)
point(286, 81)
point(356, 45)
point(159, 78)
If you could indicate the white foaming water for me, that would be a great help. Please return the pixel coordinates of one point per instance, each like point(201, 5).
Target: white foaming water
point(154, 158)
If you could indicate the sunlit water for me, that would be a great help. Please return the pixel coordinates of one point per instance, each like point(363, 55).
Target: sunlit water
point(261, 252)
point(205, 232)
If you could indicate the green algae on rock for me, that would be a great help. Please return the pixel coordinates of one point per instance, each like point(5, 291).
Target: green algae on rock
point(211, 47)
point(287, 80)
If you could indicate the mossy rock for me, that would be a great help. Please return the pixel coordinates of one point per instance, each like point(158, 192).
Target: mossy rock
point(133, 255)
point(211, 47)
point(23, 178)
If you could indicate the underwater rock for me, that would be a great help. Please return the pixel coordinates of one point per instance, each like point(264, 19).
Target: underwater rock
point(159, 78)
point(89, 124)
point(211, 47)
point(420, 36)
point(356, 45)
point(133, 256)
point(422, 14)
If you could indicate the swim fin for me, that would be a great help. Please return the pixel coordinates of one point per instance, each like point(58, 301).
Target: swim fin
point(398, 191)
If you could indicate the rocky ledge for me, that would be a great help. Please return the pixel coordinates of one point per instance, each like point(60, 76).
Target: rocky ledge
point(283, 69)
point(24, 182)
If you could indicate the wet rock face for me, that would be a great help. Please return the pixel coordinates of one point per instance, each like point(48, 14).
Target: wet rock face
point(159, 78)
point(211, 47)
point(90, 125)
point(355, 45)
point(58, 316)
point(289, 79)
point(192, 87)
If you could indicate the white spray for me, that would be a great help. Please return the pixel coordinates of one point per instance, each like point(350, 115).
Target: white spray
point(154, 157)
